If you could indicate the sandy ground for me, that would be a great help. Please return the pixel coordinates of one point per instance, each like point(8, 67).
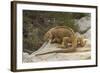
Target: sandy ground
point(82, 53)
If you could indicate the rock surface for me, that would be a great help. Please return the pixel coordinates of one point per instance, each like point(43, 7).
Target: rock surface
point(83, 23)
point(82, 53)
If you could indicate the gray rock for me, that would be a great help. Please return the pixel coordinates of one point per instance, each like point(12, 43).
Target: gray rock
point(84, 23)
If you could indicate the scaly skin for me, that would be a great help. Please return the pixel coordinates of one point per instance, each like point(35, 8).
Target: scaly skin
point(64, 36)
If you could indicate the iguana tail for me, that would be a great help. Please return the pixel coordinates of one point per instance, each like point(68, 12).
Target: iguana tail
point(59, 51)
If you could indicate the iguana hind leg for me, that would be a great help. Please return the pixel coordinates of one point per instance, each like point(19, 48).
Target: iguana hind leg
point(65, 42)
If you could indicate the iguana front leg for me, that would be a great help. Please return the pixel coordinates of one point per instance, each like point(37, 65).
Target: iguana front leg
point(74, 42)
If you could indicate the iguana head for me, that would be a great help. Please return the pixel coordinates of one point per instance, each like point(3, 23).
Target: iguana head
point(81, 41)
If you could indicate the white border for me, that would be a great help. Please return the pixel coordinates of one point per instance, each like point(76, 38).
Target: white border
point(21, 7)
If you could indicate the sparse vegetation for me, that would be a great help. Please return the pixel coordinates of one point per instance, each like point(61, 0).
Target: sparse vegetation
point(37, 23)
